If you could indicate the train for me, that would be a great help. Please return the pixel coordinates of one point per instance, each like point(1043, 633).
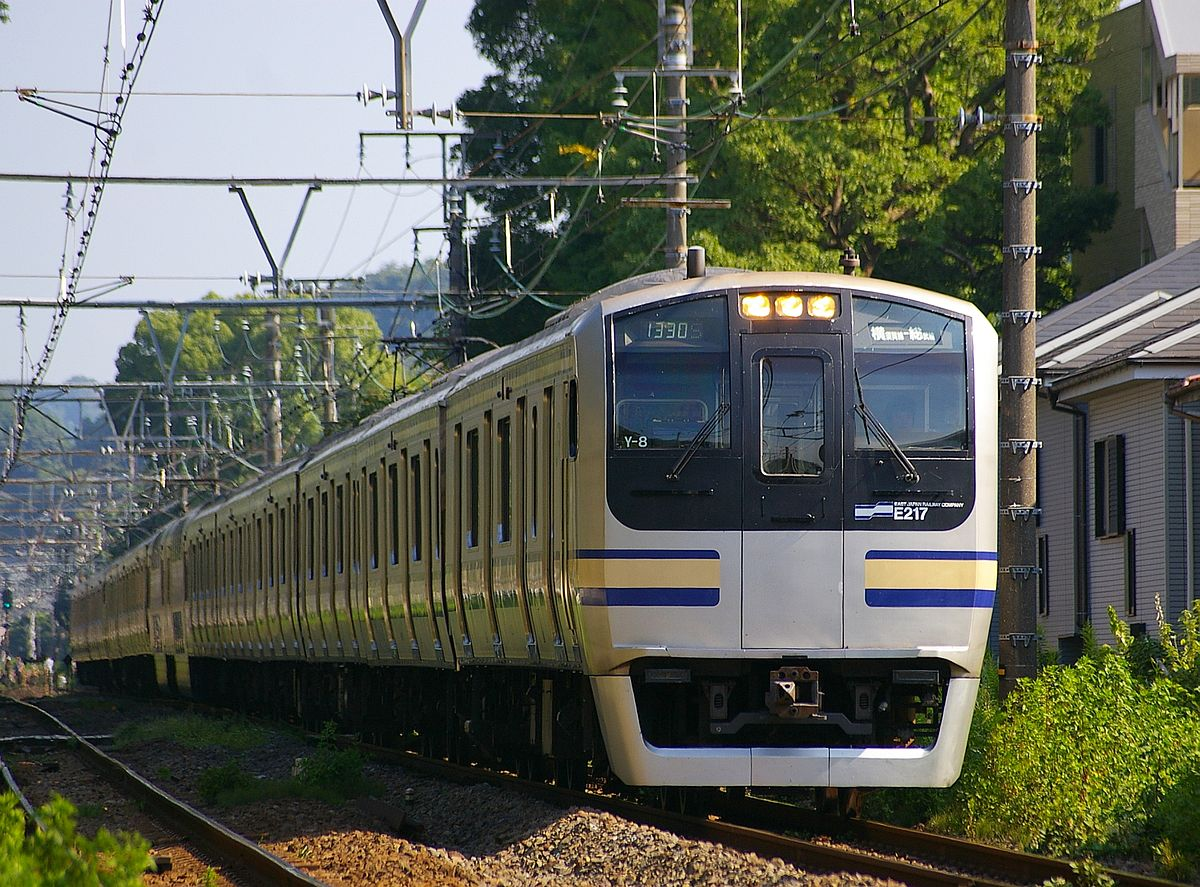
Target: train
point(724, 528)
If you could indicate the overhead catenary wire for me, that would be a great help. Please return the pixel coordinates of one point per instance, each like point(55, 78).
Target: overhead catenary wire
point(103, 143)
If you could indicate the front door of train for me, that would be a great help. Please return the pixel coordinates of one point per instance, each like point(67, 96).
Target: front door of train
point(792, 506)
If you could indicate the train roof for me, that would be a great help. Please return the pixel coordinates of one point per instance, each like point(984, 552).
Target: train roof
point(630, 292)
point(670, 282)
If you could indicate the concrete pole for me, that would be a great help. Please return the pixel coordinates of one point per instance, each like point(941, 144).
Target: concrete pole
point(1018, 579)
point(674, 28)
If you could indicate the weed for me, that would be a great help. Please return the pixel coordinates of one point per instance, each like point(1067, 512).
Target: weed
point(90, 811)
point(330, 774)
point(193, 731)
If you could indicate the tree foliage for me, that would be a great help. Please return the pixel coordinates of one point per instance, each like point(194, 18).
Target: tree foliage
point(231, 346)
point(58, 856)
point(841, 141)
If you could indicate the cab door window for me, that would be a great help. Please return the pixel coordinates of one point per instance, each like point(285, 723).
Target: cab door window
point(792, 443)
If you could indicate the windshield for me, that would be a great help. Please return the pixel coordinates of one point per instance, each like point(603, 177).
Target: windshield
point(912, 367)
point(670, 376)
point(793, 416)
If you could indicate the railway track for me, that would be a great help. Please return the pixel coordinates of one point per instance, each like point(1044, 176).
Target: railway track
point(756, 825)
point(773, 829)
point(241, 858)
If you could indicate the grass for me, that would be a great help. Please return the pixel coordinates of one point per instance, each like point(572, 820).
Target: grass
point(330, 774)
point(193, 731)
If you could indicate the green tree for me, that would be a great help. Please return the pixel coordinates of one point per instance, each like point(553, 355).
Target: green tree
point(841, 141)
point(230, 346)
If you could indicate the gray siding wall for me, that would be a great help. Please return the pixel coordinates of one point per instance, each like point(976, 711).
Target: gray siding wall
point(1056, 499)
point(1136, 411)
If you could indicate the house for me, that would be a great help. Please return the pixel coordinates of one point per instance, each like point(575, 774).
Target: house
point(1147, 74)
point(1119, 475)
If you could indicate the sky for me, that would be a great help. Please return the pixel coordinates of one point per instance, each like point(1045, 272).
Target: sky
point(182, 242)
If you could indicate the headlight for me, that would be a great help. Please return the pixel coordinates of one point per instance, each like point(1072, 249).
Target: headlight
point(755, 306)
point(823, 306)
point(789, 305)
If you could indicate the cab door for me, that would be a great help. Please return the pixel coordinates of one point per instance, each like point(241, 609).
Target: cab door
point(792, 506)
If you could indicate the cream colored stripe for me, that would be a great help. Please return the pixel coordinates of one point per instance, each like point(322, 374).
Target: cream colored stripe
point(930, 574)
point(640, 573)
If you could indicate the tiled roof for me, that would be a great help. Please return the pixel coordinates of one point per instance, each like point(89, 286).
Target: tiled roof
point(1149, 316)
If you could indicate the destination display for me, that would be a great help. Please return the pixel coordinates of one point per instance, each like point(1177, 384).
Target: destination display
point(701, 324)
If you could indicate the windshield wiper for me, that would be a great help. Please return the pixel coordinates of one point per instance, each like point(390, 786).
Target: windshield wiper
point(873, 424)
point(701, 436)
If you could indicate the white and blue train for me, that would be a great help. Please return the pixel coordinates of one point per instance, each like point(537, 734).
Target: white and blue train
point(736, 529)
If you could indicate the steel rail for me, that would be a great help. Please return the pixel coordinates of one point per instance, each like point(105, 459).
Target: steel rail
point(222, 842)
point(1020, 866)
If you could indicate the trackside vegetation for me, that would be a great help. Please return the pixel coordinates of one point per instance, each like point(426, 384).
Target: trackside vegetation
point(1099, 758)
point(330, 774)
point(58, 856)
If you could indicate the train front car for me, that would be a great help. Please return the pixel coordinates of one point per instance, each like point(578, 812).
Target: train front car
point(792, 581)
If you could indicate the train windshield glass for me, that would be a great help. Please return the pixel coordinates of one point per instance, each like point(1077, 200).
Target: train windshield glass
point(911, 367)
point(793, 416)
point(670, 376)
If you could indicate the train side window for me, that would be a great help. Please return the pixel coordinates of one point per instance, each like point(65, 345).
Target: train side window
point(356, 526)
point(435, 496)
point(393, 473)
point(271, 549)
point(504, 500)
point(373, 519)
point(311, 527)
point(472, 538)
point(325, 530)
point(258, 554)
point(339, 545)
point(533, 473)
point(416, 546)
point(572, 419)
point(283, 545)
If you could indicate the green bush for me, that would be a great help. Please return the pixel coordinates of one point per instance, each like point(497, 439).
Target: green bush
point(1080, 758)
point(60, 857)
point(1101, 756)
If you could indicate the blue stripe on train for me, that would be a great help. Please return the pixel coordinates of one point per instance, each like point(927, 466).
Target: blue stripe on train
point(649, 597)
point(645, 554)
point(930, 597)
point(932, 556)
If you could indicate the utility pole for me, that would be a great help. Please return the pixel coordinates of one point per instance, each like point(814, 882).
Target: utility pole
point(326, 319)
point(1019, 569)
point(675, 28)
point(274, 430)
point(460, 288)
